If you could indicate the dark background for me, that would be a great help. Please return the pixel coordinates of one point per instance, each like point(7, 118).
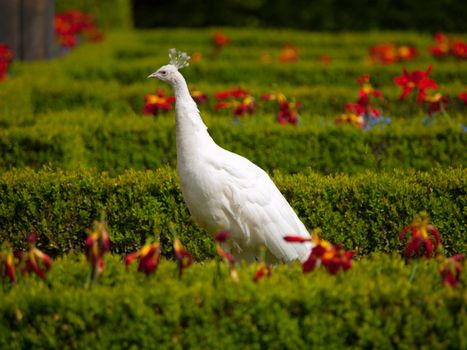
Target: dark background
point(319, 15)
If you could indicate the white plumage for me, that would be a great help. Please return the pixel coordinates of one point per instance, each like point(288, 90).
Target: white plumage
point(225, 191)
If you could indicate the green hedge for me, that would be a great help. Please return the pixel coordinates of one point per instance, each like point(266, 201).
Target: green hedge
point(108, 13)
point(92, 139)
point(364, 212)
point(376, 304)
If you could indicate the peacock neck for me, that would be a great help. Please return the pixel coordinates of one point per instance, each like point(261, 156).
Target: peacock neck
point(192, 133)
point(188, 118)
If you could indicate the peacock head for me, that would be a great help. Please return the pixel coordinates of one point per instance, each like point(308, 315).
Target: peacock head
point(169, 73)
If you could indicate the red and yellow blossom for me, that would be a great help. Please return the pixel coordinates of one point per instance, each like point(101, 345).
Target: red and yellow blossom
point(446, 46)
point(435, 103)
point(288, 111)
point(352, 119)
point(333, 258)
point(389, 53)
point(264, 270)
point(35, 260)
point(158, 102)
point(7, 263)
point(183, 257)
point(451, 270)
point(149, 256)
point(236, 99)
point(220, 238)
point(416, 80)
point(425, 238)
point(199, 97)
point(97, 244)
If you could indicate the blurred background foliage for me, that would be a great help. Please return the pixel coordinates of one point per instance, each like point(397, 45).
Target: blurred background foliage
point(317, 15)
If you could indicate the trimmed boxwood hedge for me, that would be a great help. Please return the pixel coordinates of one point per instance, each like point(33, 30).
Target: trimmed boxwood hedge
point(364, 212)
point(65, 140)
point(380, 303)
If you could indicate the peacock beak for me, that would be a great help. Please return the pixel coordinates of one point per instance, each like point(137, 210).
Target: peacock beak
point(153, 75)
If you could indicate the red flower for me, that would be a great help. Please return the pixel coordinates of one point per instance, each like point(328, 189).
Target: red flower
point(71, 24)
point(220, 40)
point(235, 93)
point(288, 112)
point(333, 258)
point(451, 270)
point(6, 57)
point(388, 53)
point(157, 102)
point(183, 257)
point(416, 79)
point(459, 49)
point(7, 263)
point(199, 97)
point(463, 96)
point(222, 105)
point(423, 234)
point(36, 260)
point(297, 239)
point(240, 101)
point(149, 256)
point(446, 46)
point(97, 244)
point(222, 236)
point(264, 270)
point(288, 54)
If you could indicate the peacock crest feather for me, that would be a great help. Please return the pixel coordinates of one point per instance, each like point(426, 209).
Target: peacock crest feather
point(178, 59)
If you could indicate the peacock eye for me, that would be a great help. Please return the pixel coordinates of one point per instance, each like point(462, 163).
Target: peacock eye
point(163, 72)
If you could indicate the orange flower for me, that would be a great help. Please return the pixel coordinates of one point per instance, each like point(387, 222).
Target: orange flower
point(36, 260)
point(288, 54)
point(422, 234)
point(97, 244)
point(148, 256)
point(451, 270)
point(183, 257)
point(325, 59)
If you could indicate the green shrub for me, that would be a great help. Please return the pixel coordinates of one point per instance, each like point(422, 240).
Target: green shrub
point(108, 13)
point(107, 142)
point(376, 304)
point(364, 212)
